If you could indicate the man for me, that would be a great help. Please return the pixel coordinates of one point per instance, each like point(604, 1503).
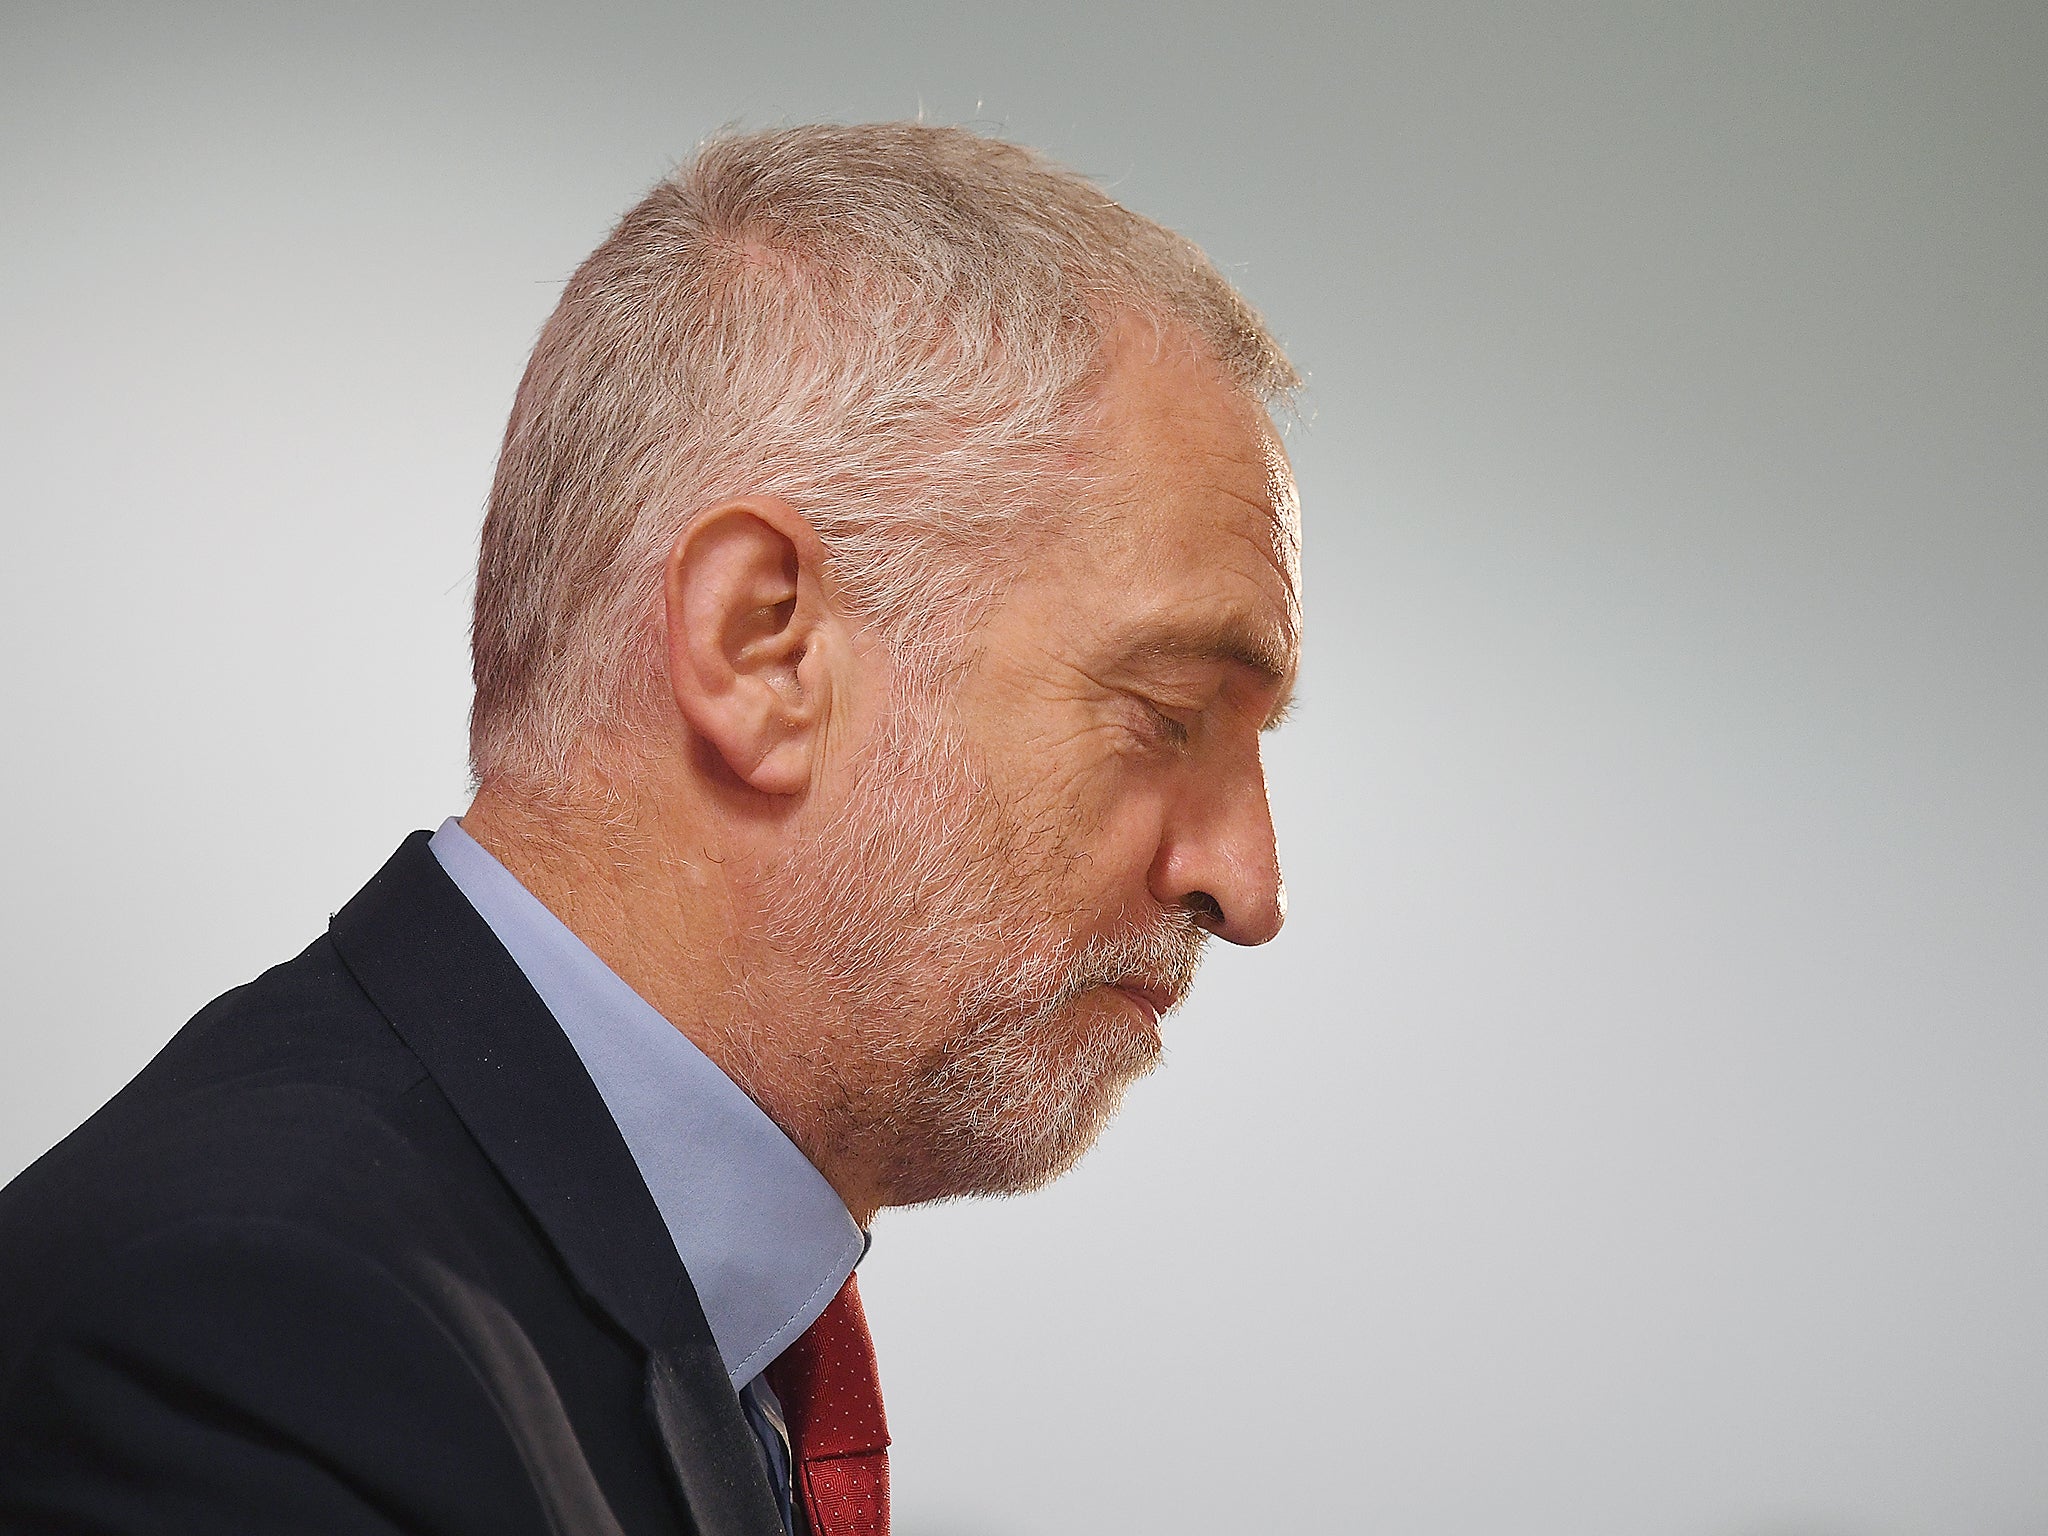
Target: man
point(890, 569)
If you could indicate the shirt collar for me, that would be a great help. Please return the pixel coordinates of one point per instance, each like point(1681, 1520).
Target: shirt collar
point(766, 1240)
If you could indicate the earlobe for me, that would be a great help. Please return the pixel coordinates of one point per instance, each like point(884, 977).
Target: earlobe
point(751, 640)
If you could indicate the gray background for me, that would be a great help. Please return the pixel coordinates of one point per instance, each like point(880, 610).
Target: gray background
point(1639, 1128)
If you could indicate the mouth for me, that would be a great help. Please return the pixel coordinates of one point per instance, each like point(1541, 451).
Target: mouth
point(1152, 1002)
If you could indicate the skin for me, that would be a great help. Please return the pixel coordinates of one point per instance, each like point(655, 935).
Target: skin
point(1105, 811)
point(1130, 673)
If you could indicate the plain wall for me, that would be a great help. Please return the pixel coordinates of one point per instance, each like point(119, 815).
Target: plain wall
point(1639, 1127)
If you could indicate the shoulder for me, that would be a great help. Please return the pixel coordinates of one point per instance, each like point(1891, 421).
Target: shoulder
point(269, 1257)
point(287, 1101)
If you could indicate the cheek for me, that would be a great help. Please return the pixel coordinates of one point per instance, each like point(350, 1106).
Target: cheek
point(1088, 808)
point(1113, 834)
point(1102, 779)
point(1063, 787)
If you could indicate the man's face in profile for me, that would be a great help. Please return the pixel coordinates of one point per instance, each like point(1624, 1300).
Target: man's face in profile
point(1018, 884)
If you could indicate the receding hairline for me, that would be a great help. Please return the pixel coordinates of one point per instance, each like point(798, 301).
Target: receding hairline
point(938, 298)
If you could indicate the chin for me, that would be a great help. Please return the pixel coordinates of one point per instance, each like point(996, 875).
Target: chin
point(1008, 1121)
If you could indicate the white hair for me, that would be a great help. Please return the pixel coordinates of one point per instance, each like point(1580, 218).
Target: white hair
point(894, 327)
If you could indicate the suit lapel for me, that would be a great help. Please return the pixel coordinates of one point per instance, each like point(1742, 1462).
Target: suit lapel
point(439, 974)
point(724, 1494)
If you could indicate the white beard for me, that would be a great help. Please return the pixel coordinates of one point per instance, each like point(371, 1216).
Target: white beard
point(927, 946)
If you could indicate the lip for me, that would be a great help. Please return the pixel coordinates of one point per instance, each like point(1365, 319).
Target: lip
point(1150, 1002)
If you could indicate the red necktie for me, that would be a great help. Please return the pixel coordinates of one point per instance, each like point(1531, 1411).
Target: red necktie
point(838, 1438)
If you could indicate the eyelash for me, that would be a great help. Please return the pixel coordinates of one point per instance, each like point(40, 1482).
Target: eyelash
point(1175, 732)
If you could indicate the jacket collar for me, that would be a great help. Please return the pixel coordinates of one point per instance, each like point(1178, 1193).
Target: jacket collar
point(447, 986)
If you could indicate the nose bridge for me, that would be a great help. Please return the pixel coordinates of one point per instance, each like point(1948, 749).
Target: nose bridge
point(1224, 848)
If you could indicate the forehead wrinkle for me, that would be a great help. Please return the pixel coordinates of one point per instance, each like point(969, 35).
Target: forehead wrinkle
point(1277, 510)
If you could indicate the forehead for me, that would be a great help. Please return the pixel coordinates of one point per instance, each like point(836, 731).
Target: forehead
point(1200, 514)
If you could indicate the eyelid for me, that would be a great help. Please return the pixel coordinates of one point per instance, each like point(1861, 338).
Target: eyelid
point(1164, 718)
point(1178, 731)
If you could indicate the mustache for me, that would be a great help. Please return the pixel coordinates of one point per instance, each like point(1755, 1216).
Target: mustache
point(1159, 961)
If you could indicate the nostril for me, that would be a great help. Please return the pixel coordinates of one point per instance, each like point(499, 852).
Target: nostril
point(1207, 909)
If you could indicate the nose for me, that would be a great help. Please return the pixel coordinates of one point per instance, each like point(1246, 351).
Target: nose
point(1218, 859)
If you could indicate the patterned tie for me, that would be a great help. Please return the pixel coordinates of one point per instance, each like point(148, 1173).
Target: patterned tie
point(832, 1403)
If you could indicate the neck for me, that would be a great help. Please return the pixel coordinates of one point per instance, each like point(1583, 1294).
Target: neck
point(659, 896)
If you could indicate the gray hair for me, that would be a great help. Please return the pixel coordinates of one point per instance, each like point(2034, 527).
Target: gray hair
point(894, 327)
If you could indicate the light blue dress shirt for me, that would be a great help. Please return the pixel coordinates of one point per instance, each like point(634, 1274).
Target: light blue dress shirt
point(766, 1240)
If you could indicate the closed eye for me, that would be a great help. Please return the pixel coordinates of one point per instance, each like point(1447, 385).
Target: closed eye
point(1165, 725)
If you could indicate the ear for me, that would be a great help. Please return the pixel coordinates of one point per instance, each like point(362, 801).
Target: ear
point(756, 651)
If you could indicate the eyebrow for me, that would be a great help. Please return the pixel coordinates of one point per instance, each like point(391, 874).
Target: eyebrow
point(1231, 641)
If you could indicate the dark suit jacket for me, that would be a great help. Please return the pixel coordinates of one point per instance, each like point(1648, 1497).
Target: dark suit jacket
point(362, 1251)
